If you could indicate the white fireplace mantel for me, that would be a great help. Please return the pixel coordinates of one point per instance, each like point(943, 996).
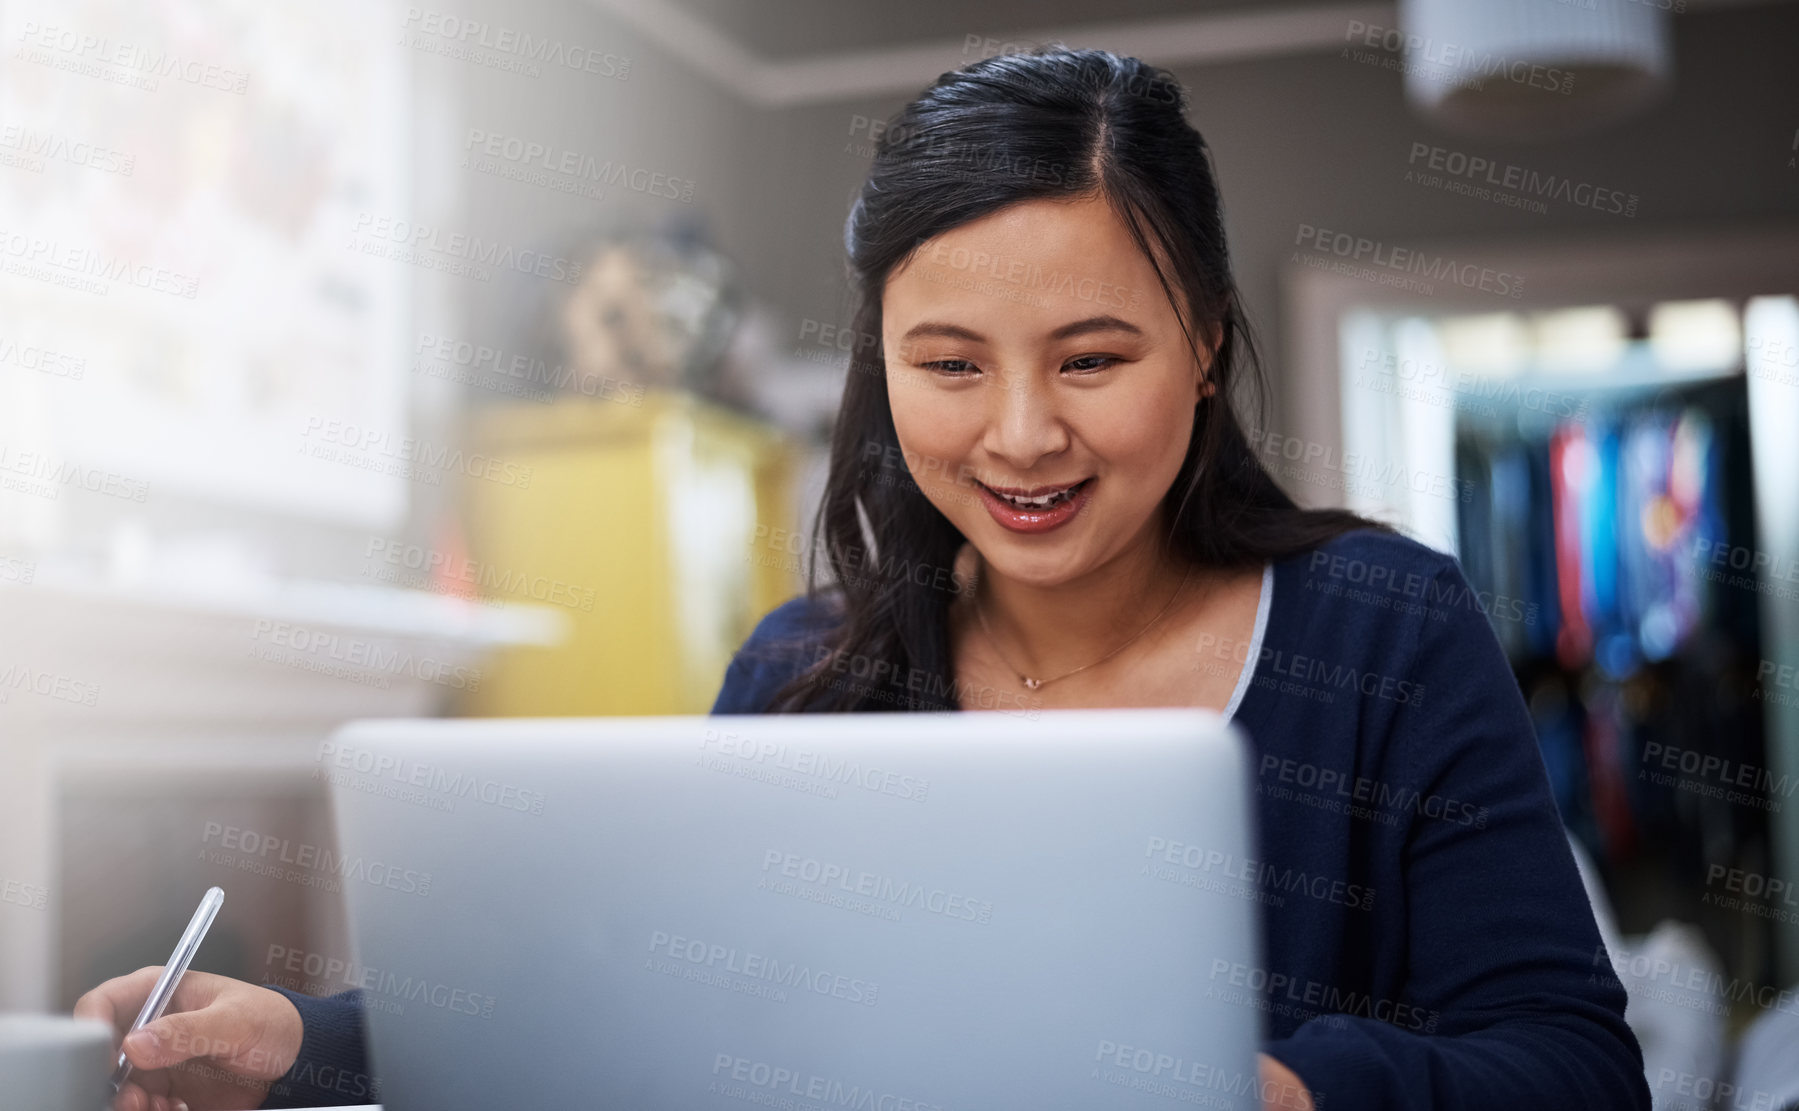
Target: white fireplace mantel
point(132, 686)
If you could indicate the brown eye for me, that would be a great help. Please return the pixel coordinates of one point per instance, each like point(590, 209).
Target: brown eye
point(1090, 363)
point(950, 366)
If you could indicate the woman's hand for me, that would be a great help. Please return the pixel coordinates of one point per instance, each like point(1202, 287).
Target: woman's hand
point(223, 1042)
point(1281, 1088)
point(219, 1046)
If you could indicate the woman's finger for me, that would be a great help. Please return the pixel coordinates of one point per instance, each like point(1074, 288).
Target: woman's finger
point(117, 1001)
point(131, 1098)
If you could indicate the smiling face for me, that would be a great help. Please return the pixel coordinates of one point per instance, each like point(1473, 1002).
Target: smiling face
point(1033, 352)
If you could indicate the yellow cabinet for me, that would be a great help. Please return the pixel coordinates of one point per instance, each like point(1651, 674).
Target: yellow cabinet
point(640, 522)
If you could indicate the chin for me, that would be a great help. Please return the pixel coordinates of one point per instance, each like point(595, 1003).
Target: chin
point(1006, 556)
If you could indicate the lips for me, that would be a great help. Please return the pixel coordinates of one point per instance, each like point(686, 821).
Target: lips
point(1036, 508)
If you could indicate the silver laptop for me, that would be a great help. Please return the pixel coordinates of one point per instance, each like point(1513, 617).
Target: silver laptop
point(898, 912)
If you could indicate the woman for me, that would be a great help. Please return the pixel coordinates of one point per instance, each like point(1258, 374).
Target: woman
point(1040, 497)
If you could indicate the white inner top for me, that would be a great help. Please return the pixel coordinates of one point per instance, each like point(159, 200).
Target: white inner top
point(1255, 642)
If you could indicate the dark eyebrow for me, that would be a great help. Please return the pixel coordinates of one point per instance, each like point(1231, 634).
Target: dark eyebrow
point(1095, 324)
point(1067, 331)
point(947, 331)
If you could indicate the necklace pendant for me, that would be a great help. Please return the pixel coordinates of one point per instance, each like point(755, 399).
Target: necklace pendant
point(1030, 684)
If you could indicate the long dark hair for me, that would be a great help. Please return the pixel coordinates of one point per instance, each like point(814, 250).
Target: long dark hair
point(1052, 123)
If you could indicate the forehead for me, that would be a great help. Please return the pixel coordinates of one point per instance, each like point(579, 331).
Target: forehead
point(1039, 258)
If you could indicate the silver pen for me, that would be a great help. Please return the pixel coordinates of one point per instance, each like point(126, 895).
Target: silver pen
point(171, 974)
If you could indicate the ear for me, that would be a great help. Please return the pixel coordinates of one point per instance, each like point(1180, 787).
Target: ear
point(1211, 338)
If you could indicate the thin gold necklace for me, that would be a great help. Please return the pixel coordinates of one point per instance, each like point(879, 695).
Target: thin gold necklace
point(1031, 684)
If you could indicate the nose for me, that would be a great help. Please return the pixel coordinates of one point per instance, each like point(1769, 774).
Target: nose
point(1024, 421)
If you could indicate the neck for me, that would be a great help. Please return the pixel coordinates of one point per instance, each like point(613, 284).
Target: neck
point(1049, 630)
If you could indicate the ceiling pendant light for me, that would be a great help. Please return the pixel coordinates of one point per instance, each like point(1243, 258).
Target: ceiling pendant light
point(1534, 69)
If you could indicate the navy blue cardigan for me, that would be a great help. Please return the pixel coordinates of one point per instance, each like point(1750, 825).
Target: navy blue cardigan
point(1427, 941)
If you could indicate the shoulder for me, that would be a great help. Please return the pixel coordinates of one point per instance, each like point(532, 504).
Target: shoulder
point(798, 623)
point(783, 643)
point(1394, 625)
point(1369, 598)
point(1375, 557)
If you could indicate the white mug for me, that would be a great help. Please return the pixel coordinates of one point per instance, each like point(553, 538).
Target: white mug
point(54, 1063)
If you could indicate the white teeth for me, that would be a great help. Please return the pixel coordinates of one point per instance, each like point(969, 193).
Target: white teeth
point(1043, 501)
